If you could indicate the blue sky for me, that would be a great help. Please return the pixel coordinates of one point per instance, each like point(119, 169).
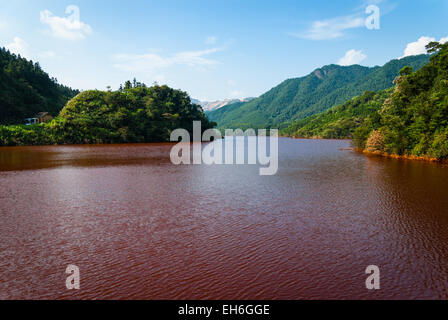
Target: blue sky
point(212, 49)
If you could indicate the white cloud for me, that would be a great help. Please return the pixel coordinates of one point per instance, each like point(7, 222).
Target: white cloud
point(419, 46)
point(211, 40)
point(152, 61)
point(68, 28)
point(362, 17)
point(19, 46)
point(332, 28)
point(352, 57)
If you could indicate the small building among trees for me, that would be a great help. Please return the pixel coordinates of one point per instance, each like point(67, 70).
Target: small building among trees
point(42, 117)
point(30, 121)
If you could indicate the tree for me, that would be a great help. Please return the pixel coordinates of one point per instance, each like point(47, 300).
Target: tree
point(433, 47)
point(406, 71)
point(375, 143)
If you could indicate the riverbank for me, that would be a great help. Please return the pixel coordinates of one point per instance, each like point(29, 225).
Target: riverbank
point(315, 138)
point(401, 157)
point(381, 154)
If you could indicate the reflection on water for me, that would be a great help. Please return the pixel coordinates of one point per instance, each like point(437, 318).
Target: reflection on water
point(141, 228)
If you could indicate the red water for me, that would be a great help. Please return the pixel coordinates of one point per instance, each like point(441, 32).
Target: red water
point(141, 228)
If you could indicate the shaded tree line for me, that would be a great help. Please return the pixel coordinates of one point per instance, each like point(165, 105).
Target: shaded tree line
point(25, 90)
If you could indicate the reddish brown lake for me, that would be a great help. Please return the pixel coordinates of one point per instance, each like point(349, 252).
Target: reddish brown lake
point(139, 227)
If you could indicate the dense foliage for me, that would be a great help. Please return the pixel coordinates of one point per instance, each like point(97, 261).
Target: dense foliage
point(25, 90)
point(340, 122)
point(414, 120)
point(296, 99)
point(134, 113)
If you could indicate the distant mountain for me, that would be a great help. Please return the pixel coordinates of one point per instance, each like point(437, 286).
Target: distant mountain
point(215, 105)
point(296, 99)
point(25, 90)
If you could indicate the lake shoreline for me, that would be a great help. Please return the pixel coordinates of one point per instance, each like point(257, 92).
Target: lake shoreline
point(317, 138)
point(380, 154)
point(359, 150)
point(403, 157)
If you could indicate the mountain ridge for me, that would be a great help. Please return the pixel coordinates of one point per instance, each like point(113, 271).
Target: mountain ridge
point(209, 106)
point(297, 98)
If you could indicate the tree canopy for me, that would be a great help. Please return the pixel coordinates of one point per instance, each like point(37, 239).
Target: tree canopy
point(135, 113)
point(25, 90)
point(340, 122)
point(413, 121)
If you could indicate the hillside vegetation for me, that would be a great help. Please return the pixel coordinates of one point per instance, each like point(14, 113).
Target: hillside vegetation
point(340, 122)
point(414, 119)
point(131, 114)
point(296, 99)
point(25, 90)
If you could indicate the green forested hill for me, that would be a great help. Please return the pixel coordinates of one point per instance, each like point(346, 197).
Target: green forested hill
point(25, 90)
point(340, 122)
point(296, 99)
point(414, 119)
point(135, 113)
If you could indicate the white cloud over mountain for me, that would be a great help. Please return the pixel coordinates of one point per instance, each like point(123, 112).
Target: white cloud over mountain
point(352, 57)
point(419, 46)
point(19, 46)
